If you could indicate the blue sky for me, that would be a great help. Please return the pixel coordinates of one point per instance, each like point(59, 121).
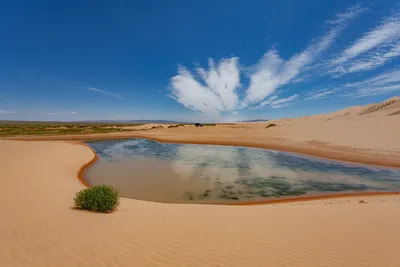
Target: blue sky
point(202, 60)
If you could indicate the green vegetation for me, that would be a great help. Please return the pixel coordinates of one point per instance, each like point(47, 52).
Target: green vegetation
point(19, 129)
point(209, 124)
point(157, 127)
point(270, 125)
point(100, 198)
point(377, 107)
point(176, 125)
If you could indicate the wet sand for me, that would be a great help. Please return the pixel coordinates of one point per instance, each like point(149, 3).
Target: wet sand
point(39, 228)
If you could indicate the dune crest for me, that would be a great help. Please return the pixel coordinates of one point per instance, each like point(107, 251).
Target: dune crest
point(342, 135)
point(390, 104)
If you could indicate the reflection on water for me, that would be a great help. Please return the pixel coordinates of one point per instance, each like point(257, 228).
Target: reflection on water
point(148, 170)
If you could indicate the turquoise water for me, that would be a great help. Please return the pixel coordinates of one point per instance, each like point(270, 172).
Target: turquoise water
point(148, 170)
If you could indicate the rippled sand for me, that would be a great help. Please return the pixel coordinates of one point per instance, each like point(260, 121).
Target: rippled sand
point(38, 227)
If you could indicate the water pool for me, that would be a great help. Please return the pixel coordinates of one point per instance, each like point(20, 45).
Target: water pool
point(185, 173)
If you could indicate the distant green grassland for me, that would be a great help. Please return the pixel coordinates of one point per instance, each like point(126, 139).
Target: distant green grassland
point(17, 129)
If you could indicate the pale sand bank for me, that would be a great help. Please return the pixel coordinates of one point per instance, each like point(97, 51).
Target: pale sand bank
point(38, 228)
point(363, 134)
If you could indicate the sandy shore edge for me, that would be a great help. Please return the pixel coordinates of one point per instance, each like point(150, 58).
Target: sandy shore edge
point(325, 153)
point(337, 153)
point(82, 170)
point(291, 199)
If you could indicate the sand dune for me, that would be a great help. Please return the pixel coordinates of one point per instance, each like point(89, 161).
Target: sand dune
point(39, 179)
point(38, 227)
point(365, 134)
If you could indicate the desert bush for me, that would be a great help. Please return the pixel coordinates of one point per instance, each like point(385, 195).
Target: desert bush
point(100, 198)
point(157, 127)
point(176, 126)
point(270, 125)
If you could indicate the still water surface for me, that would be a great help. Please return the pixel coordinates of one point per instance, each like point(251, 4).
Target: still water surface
point(148, 170)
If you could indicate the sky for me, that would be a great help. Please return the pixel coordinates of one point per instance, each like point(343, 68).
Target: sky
point(210, 60)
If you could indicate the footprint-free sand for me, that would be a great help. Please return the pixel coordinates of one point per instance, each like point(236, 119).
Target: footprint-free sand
point(39, 228)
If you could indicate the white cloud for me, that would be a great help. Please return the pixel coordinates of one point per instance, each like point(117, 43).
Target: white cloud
point(268, 101)
point(373, 49)
point(319, 94)
point(350, 13)
point(117, 96)
point(6, 112)
point(53, 114)
point(60, 113)
point(388, 77)
point(212, 91)
point(387, 82)
point(371, 91)
point(283, 102)
point(276, 102)
point(273, 72)
point(376, 59)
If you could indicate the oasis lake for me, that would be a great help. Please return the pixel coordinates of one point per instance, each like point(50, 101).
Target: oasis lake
point(185, 173)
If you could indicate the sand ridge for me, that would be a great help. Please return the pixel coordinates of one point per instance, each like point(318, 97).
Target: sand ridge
point(362, 134)
point(39, 228)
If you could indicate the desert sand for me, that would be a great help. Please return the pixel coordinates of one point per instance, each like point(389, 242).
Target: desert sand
point(39, 228)
point(363, 134)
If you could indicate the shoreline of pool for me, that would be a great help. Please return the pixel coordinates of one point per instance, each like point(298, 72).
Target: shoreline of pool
point(338, 153)
point(83, 169)
point(289, 199)
point(42, 226)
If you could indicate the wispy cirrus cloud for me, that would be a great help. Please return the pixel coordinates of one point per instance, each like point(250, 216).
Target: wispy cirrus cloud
point(60, 113)
point(215, 90)
point(273, 72)
point(387, 82)
point(283, 102)
point(266, 102)
point(6, 112)
point(375, 48)
point(115, 95)
point(319, 94)
point(350, 13)
point(275, 101)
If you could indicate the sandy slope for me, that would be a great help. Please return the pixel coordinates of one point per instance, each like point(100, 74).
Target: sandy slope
point(365, 134)
point(38, 228)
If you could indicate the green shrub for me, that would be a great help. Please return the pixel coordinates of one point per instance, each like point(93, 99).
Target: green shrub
point(270, 125)
point(176, 125)
point(100, 198)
